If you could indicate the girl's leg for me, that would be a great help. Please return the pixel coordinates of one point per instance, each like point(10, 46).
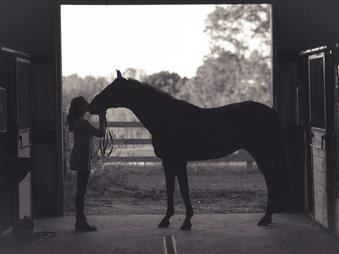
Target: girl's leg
point(82, 180)
point(81, 222)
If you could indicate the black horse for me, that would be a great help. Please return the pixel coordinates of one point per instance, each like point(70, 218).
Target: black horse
point(182, 132)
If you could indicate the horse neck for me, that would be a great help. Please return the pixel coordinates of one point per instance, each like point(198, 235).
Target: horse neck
point(148, 108)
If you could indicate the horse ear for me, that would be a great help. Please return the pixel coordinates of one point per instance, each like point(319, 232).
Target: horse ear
point(119, 74)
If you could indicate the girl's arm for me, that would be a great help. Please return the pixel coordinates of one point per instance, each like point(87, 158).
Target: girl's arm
point(90, 129)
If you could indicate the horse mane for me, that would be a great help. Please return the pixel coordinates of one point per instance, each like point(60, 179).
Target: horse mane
point(151, 89)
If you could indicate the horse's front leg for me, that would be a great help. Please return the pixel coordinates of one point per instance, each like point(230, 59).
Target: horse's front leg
point(170, 183)
point(181, 173)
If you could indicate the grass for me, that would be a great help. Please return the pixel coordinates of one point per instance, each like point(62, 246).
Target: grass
point(214, 188)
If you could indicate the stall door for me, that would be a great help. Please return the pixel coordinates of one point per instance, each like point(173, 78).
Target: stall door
point(23, 115)
point(317, 125)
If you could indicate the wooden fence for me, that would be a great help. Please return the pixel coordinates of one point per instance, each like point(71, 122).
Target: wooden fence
point(238, 156)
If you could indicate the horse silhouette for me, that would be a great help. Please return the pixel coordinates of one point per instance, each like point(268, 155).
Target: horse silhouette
point(182, 132)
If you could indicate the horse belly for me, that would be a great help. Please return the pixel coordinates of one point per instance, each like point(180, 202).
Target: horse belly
point(207, 149)
point(207, 155)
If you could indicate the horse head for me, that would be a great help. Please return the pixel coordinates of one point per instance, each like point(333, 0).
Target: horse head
point(111, 97)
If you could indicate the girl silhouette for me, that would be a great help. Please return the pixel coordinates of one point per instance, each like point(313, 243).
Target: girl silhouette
point(83, 132)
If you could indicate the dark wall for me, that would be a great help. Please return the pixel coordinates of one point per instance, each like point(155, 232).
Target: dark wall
point(306, 24)
point(30, 26)
point(299, 25)
point(8, 187)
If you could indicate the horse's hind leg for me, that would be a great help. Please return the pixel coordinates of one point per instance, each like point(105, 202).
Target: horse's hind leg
point(181, 173)
point(170, 183)
point(267, 169)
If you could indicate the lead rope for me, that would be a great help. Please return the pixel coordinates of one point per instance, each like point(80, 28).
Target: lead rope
point(108, 137)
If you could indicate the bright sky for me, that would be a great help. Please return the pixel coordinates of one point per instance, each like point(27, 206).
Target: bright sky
point(96, 40)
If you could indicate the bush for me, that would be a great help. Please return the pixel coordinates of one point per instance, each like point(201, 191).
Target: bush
point(104, 179)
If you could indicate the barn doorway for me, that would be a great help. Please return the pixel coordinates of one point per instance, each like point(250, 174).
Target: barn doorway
point(209, 55)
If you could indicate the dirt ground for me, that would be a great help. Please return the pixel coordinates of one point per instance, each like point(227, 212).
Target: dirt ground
point(125, 190)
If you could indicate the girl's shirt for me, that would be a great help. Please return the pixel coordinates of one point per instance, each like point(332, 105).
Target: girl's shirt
point(83, 133)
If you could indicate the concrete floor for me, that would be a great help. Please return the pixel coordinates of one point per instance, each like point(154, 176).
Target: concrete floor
point(215, 233)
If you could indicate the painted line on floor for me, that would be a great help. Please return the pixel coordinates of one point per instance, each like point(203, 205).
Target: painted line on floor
point(169, 244)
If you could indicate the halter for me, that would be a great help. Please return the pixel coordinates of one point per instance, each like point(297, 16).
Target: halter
point(104, 142)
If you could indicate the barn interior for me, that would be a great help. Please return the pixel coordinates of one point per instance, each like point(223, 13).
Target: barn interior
point(305, 89)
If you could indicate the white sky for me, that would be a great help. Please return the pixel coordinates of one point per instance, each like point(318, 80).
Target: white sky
point(96, 40)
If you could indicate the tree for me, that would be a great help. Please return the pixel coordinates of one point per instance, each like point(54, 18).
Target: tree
point(165, 81)
point(216, 82)
point(240, 29)
point(73, 86)
point(238, 67)
point(134, 73)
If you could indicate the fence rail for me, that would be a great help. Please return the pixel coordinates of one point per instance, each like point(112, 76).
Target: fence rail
point(125, 125)
point(238, 156)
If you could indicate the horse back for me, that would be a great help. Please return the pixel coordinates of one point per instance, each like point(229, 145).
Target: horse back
point(211, 133)
point(240, 117)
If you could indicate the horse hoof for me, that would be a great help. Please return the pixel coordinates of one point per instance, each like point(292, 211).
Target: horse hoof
point(264, 221)
point(164, 224)
point(186, 226)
